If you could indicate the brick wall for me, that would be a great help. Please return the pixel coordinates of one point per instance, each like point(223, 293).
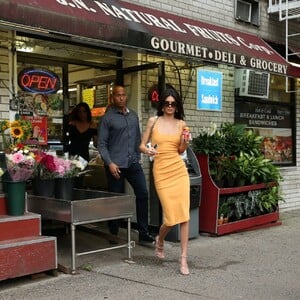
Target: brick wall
point(4, 75)
point(4, 81)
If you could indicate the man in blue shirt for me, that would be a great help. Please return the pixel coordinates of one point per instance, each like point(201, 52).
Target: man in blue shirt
point(118, 143)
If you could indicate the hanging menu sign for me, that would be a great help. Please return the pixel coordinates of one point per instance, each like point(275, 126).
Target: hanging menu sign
point(262, 115)
point(101, 96)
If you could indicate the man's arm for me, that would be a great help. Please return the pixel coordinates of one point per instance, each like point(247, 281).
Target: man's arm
point(103, 136)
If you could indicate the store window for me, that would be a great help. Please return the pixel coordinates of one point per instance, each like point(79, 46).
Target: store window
point(269, 110)
point(52, 78)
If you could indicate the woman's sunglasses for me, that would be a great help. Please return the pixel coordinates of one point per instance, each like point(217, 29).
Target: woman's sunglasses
point(170, 103)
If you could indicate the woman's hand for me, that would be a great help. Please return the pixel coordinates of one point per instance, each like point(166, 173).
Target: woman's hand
point(151, 150)
point(184, 139)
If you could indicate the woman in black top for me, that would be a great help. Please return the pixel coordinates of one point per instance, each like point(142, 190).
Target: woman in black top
point(81, 130)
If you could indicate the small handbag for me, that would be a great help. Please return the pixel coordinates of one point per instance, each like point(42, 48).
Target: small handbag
point(149, 144)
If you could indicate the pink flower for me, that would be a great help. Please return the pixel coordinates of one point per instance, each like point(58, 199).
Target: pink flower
point(17, 157)
point(20, 164)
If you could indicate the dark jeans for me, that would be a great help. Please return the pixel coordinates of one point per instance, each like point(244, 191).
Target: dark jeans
point(136, 178)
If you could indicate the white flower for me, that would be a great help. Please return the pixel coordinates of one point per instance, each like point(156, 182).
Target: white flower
point(212, 129)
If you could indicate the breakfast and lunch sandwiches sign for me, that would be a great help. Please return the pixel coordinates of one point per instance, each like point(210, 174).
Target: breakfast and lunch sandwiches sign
point(116, 22)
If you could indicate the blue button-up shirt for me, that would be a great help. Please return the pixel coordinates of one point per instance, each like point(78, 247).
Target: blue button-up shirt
point(119, 137)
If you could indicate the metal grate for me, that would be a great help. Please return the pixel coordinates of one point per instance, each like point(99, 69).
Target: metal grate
point(258, 83)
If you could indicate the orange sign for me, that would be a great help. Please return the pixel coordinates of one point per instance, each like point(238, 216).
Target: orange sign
point(98, 111)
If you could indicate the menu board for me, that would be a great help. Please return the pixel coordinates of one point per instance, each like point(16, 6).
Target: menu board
point(273, 122)
point(101, 96)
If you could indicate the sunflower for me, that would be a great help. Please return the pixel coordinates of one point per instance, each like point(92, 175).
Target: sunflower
point(17, 132)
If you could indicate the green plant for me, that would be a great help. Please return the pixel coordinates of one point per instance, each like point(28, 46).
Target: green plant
point(243, 168)
point(216, 167)
point(251, 143)
point(269, 199)
point(230, 170)
point(235, 154)
point(229, 139)
point(233, 135)
point(224, 208)
point(209, 142)
point(249, 204)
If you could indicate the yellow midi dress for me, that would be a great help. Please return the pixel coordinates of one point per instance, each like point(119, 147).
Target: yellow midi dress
point(171, 177)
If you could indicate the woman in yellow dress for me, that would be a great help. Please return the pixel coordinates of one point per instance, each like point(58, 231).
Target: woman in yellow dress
point(171, 179)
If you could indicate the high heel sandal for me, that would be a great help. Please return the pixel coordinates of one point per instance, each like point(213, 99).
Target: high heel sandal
point(159, 249)
point(184, 269)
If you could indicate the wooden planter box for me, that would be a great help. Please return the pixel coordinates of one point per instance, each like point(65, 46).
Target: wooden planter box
point(208, 210)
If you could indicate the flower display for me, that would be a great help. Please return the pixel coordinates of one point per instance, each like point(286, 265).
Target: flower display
point(51, 166)
point(14, 132)
point(72, 167)
point(20, 163)
point(46, 167)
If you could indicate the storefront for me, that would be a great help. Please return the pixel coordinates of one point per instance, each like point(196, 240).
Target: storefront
point(89, 45)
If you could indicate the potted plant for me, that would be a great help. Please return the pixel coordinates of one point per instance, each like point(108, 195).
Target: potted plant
point(241, 158)
point(223, 212)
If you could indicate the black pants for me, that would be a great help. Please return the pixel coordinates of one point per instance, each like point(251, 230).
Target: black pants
point(136, 178)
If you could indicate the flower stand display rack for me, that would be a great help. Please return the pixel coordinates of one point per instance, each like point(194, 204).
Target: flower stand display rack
point(23, 250)
point(208, 210)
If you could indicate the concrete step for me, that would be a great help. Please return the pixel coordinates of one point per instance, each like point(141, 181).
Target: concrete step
point(26, 256)
point(13, 227)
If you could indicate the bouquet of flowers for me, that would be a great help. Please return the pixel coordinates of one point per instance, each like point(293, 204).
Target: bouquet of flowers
point(46, 166)
point(20, 163)
point(69, 167)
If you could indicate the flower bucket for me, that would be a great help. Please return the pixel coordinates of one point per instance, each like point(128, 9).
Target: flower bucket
point(43, 187)
point(15, 196)
point(64, 188)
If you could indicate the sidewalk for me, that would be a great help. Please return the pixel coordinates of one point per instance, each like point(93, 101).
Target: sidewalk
point(259, 264)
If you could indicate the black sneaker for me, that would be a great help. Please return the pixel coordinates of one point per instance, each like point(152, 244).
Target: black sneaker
point(146, 239)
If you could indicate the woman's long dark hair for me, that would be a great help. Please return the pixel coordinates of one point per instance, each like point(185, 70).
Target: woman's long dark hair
point(179, 113)
point(74, 114)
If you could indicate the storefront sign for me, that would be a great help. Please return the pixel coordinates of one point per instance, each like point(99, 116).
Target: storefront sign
point(38, 81)
point(153, 94)
point(209, 90)
point(131, 25)
point(262, 115)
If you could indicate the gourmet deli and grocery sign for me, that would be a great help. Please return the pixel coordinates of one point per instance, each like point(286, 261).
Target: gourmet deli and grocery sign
point(121, 23)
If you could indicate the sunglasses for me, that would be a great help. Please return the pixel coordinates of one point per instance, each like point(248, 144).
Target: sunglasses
point(170, 103)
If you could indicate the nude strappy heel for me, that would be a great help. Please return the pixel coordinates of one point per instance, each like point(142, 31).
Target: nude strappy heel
point(184, 269)
point(159, 249)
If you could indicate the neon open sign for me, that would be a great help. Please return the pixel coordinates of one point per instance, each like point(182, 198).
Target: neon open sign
point(38, 81)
